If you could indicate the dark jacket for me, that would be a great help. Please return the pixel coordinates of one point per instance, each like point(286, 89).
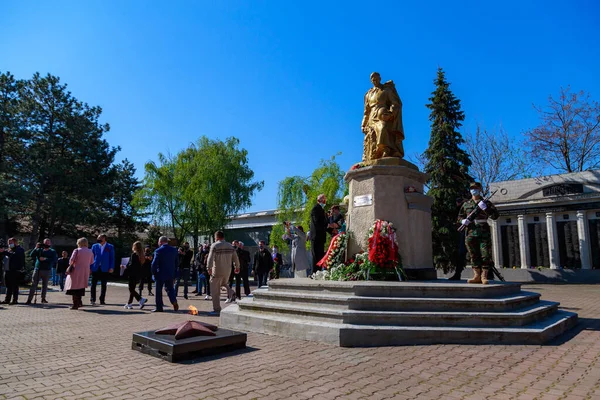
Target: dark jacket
point(244, 257)
point(61, 265)
point(339, 220)
point(134, 267)
point(49, 255)
point(164, 264)
point(185, 260)
point(263, 262)
point(318, 223)
point(146, 267)
point(16, 259)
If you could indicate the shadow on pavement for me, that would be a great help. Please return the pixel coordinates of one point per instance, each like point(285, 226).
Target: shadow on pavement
point(219, 356)
point(41, 305)
point(111, 312)
point(583, 324)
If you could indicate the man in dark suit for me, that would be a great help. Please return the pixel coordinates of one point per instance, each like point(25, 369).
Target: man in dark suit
point(104, 264)
point(244, 257)
point(16, 266)
point(318, 230)
point(164, 265)
point(263, 263)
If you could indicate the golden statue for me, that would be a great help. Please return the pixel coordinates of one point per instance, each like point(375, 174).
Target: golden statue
point(382, 122)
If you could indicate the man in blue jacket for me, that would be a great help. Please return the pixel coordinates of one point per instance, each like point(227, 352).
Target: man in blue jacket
point(104, 264)
point(164, 266)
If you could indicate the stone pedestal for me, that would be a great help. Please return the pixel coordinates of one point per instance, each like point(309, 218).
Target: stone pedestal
point(381, 192)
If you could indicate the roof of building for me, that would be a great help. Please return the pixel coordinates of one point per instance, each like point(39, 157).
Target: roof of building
point(576, 186)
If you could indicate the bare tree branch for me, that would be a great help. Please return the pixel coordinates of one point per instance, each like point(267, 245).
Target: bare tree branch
point(568, 137)
point(496, 157)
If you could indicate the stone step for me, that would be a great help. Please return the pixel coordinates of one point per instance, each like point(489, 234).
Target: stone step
point(519, 317)
point(344, 301)
point(349, 335)
point(429, 289)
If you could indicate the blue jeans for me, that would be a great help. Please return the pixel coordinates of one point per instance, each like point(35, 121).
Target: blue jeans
point(168, 285)
point(61, 280)
point(201, 282)
point(54, 277)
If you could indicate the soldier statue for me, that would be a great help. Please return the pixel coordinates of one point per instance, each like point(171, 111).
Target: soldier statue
point(382, 121)
point(474, 215)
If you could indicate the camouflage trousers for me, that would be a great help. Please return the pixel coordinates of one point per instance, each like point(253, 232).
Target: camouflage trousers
point(480, 250)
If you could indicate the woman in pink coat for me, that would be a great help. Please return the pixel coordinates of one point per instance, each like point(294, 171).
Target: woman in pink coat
point(79, 272)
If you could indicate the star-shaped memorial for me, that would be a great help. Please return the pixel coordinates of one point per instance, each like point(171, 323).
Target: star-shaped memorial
point(188, 329)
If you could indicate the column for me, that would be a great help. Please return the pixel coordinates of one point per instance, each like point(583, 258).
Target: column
point(523, 242)
point(552, 241)
point(496, 244)
point(583, 231)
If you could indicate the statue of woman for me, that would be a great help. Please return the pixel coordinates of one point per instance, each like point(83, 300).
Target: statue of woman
point(382, 122)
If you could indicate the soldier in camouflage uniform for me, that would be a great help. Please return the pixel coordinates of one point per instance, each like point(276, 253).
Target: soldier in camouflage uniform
point(478, 238)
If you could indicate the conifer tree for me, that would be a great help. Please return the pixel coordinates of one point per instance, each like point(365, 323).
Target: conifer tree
point(447, 165)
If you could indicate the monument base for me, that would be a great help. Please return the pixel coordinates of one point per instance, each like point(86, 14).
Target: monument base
point(420, 274)
point(172, 350)
point(368, 314)
point(391, 189)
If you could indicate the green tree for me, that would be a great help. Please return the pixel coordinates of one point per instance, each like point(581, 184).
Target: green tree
point(447, 165)
point(67, 164)
point(11, 151)
point(161, 196)
point(218, 183)
point(56, 169)
point(297, 195)
point(122, 217)
point(197, 191)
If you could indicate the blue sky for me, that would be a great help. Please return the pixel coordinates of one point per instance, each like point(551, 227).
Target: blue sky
point(288, 78)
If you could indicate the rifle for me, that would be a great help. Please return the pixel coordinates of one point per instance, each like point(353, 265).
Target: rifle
point(473, 213)
point(497, 273)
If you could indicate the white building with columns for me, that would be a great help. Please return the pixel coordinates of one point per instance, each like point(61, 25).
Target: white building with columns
point(551, 221)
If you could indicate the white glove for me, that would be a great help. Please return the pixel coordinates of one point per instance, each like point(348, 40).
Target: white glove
point(482, 205)
point(465, 222)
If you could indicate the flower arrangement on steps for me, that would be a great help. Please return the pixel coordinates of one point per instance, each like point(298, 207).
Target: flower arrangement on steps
point(382, 261)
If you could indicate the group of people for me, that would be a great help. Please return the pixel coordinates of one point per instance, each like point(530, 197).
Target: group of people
point(71, 273)
point(321, 223)
point(168, 266)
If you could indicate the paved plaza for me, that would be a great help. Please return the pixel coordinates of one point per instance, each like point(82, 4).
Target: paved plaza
point(52, 352)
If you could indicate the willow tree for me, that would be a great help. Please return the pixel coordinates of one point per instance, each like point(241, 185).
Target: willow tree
point(296, 196)
point(447, 165)
point(161, 195)
point(198, 190)
point(218, 183)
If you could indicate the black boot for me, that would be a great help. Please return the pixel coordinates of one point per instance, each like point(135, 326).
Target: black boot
point(457, 274)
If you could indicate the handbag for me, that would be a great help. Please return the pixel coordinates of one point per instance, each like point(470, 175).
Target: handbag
point(71, 266)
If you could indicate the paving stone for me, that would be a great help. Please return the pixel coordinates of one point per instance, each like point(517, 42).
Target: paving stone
point(53, 352)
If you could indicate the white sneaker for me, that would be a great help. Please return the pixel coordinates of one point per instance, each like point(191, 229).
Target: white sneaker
point(207, 297)
point(128, 306)
point(227, 301)
point(142, 302)
point(92, 303)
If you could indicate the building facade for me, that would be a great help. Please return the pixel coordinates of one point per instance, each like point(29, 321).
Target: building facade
point(551, 221)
